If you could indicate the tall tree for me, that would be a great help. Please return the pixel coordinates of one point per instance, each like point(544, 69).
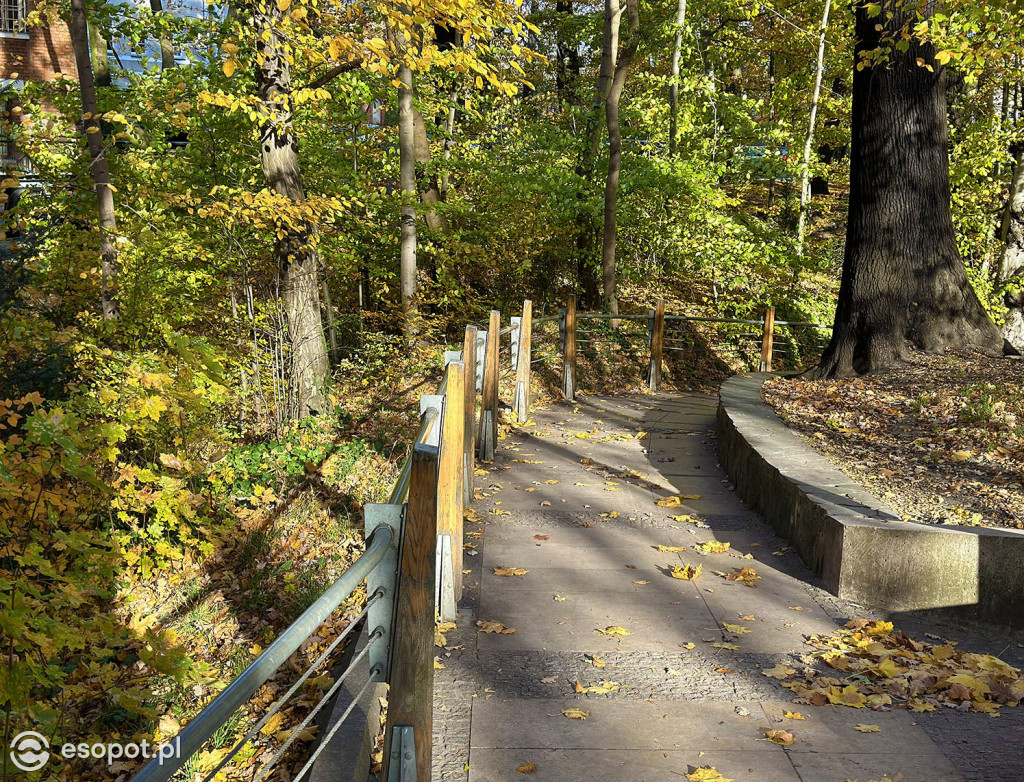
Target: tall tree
point(614, 67)
point(109, 263)
point(805, 168)
point(295, 248)
point(166, 44)
point(673, 87)
point(903, 282)
point(407, 181)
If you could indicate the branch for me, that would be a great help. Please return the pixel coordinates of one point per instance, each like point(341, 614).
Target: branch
point(333, 73)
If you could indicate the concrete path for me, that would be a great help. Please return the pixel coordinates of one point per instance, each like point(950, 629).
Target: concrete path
point(573, 500)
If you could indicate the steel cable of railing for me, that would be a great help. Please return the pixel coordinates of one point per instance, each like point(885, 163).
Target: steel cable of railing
point(372, 639)
point(213, 717)
point(334, 729)
point(294, 688)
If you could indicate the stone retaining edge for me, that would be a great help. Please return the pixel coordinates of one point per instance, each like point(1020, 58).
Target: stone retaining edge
point(857, 544)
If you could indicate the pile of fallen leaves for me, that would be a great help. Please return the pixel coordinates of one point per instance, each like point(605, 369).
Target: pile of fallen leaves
point(940, 438)
point(880, 668)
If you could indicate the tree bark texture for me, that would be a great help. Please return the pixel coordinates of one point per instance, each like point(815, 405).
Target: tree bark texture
point(428, 185)
point(1011, 265)
point(903, 282)
point(109, 264)
point(166, 45)
point(613, 78)
point(295, 250)
point(407, 181)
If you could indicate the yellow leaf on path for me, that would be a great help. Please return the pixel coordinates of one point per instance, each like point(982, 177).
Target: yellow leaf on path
point(735, 629)
point(470, 514)
point(672, 548)
point(670, 502)
point(551, 482)
point(783, 737)
point(793, 715)
point(614, 631)
point(748, 617)
point(510, 571)
point(685, 517)
point(712, 547)
point(780, 671)
point(308, 733)
point(960, 456)
point(687, 573)
point(598, 689)
point(558, 599)
point(527, 768)
point(438, 665)
point(597, 661)
point(494, 627)
point(706, 774)
point(862, 728)
point(724, 645)
point(641, 583)
point(576, 713)
point(480, 471)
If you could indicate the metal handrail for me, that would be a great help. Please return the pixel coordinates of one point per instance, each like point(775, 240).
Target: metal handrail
point(210, 719)
point(401, 491)
point(607, 316)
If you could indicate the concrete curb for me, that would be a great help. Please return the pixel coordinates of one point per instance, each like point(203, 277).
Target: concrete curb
point(858, 545)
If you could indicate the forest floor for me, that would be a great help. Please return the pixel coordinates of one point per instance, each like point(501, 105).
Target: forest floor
point(940, 439)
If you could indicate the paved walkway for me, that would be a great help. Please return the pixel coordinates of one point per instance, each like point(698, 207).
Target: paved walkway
point(573, 500)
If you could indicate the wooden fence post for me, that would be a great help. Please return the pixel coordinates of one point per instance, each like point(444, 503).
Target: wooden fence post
point(521, 401)
point(767, 339)
point(657, 345)
point(410, 701)
point(469, 428)
point(569, 351)
point(489, 392)
point(450, 469)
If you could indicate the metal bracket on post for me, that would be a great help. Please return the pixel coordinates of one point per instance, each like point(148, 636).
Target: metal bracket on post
point(384, 577)
point(445, 584)
point(452, 355)
point(517, 324)
point(481, 351)
point(402, 767)
point(433, 402)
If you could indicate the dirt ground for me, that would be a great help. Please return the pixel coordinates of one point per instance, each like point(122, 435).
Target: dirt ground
point(940, 439)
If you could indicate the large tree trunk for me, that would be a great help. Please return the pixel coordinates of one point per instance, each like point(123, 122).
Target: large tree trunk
point(1011, 265)
point(673, 89)
point(109, 264)
point(805, 170)
point(297, 257)
point(903, 281)
point(614, 77)
point(98, 53)
point(407, 182)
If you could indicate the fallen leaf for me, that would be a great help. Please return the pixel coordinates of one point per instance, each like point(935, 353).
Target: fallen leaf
point(597, 662)
point(549, 680)
point(672, 549)
point(793, 715)
point(735, 629)
point(641, 583)
point(712, 547)
point(862, 728)
point(558, 598)
point(527, 768)
point(494, 627)
point(438, 664)
point(614, 631)
point(748, 617)
point(780, 671)
point(510, 571)
point(724, 645)
point(687, 573)
point(706, 774)
point(598, 689)
point(778, 736)
point(542, 537)
point(576, 713)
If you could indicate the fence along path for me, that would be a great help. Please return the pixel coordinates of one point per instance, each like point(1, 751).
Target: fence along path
point(413, 564)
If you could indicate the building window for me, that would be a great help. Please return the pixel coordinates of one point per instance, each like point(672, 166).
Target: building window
point(12, 16)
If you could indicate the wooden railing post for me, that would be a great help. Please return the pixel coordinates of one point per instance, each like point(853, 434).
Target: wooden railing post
point(657, 345)
point(569, 351)
point(450, 470)
point(767, 338)
point(521, 401)
point(469, 428)
point(410, 700)
point(488, 436)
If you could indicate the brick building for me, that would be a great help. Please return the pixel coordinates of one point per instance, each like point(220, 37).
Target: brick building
point(33, 53)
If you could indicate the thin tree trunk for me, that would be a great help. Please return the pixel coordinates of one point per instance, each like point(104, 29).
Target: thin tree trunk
point(297, 257)
point(98, 53)
point(407, 181)
point(1011, 265)
point(332, 331)
point(805, 169)
point(567, 69)
point(673, 89)
point(449, 138)
point(429, 187)
point(166, 45)
point(615, 79)
point(109, 264)
point(903, 281)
